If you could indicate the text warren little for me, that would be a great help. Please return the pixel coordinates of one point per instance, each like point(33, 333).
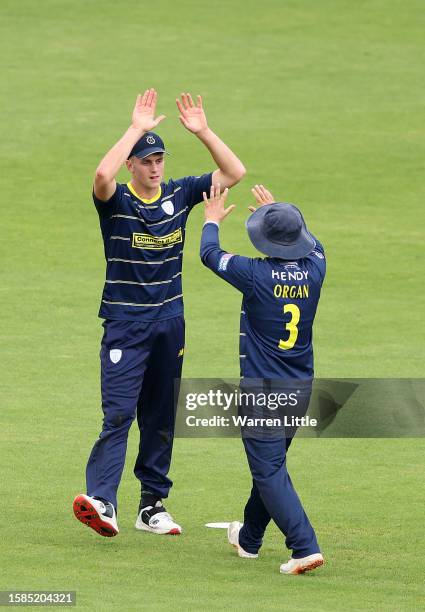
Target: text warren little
point(244, 421)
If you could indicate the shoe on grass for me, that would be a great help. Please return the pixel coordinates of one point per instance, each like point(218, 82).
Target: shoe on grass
point(233, 538)
point(305, 564)
point(156, 519)
point(96, 514)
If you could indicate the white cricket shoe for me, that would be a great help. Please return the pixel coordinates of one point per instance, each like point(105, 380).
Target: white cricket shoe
point(96, 514)
point(233, 538)
point(157, 520)
point(305, 564)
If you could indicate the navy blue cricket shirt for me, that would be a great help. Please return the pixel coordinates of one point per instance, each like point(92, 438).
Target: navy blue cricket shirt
point(278, 308)
point(143, 242)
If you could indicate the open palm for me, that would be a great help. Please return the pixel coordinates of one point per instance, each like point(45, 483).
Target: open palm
point(144, 111)
point(262, 196)
point(192, 117)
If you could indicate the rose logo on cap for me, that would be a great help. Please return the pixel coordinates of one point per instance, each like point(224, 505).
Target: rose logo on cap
point(148, 144)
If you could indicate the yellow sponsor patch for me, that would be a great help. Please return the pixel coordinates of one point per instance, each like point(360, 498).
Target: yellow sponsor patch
point(181, 353)
point(147, 241)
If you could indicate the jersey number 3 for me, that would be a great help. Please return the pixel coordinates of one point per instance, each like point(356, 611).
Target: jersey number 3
point(291, 327)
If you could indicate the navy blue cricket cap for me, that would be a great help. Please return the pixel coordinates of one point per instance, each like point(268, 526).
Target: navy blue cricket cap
point(279, 230)
point(148, 144)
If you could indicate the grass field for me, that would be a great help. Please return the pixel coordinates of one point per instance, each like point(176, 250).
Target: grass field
point(324, 103)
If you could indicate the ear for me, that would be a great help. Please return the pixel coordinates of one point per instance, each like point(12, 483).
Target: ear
point(129, 164)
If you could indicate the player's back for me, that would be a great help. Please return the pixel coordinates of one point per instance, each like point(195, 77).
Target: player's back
point(279, 304)
point(277, 316)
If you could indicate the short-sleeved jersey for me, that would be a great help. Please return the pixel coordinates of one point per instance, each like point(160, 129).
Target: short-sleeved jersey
point(279, 304)
point(143, 243)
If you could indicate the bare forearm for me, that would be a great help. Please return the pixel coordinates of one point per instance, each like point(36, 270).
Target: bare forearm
point(115, 157)
point(228, 163)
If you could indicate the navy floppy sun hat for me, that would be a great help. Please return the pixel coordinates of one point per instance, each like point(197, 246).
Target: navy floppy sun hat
point(148, 144)
point(279, 230)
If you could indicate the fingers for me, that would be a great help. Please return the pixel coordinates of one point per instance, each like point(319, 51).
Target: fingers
point(258, 194)
point(252, 208)
point(159, 119)
point(148, 99)
point(215, 193)
point(180, 107)
point(228, 210)
point(267, 194)
point(148, 96)
point(262, 195)
point(189, 98)
point(185, 101)
point(214, 206)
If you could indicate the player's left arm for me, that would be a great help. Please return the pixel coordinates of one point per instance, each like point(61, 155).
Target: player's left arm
point(235, 269)
point(230, 168)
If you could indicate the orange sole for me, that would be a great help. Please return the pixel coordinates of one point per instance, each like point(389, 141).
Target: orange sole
point(88, 515)
point(310, 566)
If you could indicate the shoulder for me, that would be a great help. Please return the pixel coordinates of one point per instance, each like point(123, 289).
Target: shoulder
point(171, 187)
point(316, 260)
point(168, 187)
point(263, 263)
point(106, 208)
point(319, 250)
point(192, 181)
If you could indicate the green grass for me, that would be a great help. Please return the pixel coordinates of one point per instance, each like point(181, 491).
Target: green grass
point(324, 103)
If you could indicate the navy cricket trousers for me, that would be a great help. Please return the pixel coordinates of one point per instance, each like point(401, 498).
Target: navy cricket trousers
point(140, 362)
point(273, 495)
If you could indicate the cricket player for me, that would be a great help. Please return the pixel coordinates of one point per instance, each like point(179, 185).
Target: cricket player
point(143, 228)
point(280, 297)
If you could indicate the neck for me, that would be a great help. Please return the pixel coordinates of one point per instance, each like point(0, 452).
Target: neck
point(147, 193)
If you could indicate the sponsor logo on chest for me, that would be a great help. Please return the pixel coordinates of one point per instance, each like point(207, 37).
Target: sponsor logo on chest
point(147, 241)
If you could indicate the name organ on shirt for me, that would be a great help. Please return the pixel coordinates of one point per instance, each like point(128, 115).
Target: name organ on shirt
point(288, 290)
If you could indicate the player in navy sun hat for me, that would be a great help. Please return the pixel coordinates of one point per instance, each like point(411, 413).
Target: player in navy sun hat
point(280, 297)
point(143, 228)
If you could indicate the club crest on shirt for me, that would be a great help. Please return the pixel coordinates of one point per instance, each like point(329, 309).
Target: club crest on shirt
point(115, 355)
point(168, 207)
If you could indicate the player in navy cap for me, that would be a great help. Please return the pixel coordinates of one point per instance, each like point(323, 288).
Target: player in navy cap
point(143, 228)
point(280, 297)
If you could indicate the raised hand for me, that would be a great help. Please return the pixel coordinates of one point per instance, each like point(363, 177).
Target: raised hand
point(144, 111)
point(192, 117)
point(262, 196)
point(214, 207)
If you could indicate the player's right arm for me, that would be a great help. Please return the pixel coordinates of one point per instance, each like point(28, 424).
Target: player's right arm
point(143, 120)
